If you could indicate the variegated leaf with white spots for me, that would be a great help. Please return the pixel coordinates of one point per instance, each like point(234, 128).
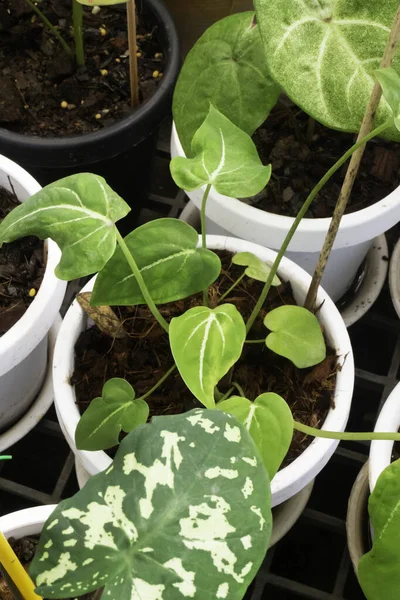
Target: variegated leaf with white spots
point(183, 512)
point(78, 213)
point(205, 344)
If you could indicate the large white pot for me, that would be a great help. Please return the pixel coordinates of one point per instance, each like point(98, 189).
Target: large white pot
point(230, 216)
point(25, 522)
point(394, 278)
point(292, 478)
point(23, 349)
point(380, 454)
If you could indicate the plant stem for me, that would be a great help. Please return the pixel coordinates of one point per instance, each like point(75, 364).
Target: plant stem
point(310, 130)
point(160, 382)
point(255, 341)
point(142, 286)
point(346, 435)
point(203, 231)
point(301, 214)
point(239, 389)
point(227, 394)
point(236, 283)
point(6, 457)
point(77, 19)
point(49, 26)
point(353, 167)
point(133, 69)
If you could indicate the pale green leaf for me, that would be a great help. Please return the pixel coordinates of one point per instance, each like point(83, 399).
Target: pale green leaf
point(324, 52)
point(172, 266)
point(205, 344)
point(390, 83)
point(116, 410)
point(225, 157)
point(270, 423)
point(226, 68)
point(256, 268)
point(296, 334)
point(78, 213)
point(378, 570)
point(173, 517)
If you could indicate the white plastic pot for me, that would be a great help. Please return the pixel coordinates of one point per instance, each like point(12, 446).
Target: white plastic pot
point(292, 478)
point(380, 454)
point(357, 517)
point(394, 278)
point(230, 216)
point(25, 522)
point(23, 348)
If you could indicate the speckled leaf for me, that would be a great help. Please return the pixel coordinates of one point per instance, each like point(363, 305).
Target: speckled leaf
point(378, 570)
point(296, 334)
point(269, 421)
point(183, 512)
point(205, 343)
point(226, 68)
point(225, 157)
point(324, 52)
point(390, 84)
point(116, 410)
point(78, 213)
point(256, 268)
point(172, 266)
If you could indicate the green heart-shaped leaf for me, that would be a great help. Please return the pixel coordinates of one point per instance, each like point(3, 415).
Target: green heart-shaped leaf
point(227, 68)
point(101, 423)
point(225, 157)
point(205, 343)
point(378, 570)
point(172, 266)
point(166, 520)
point(78, 213)
point(256, 268)
point(296, 334)
point(270, 423)
point(323, 53)
point(390, 84)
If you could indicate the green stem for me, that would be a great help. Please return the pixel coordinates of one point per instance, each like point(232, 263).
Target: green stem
point(346, 435)
point(238, 280)
point(142, 286)
point(302, 212)
point(50, 27)
point(77, 18)
point(203, 231)
point(239, 389)
point(255, 341)
point(6, 457)
point(160, 382)
point(228, 393)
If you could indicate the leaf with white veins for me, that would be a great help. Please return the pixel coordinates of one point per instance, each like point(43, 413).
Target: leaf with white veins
point(256, 268)
point(205, 344)
point(172, 266)
point(224, 157)
point(78, 213)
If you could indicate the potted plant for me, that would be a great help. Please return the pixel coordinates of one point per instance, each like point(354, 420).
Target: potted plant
point(27, 314)
point(86, 122)
point(244, 82)
point(164, 521)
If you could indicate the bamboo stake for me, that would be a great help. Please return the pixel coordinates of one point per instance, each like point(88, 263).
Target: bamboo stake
point(133, 70)
point(16, 571)
point(390, 50)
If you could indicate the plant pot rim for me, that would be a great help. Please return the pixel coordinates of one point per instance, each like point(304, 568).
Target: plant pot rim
point(357, 504)
point(11, 139)
point(300, 472)
point(30, 329)
point(380, 454)
point(362, 225)
point(28, 521)
point(394, 277)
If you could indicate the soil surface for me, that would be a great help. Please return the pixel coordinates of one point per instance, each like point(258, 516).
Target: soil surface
point(37, 75)
point(25, 549)
point(144, 356)
point(22, 266)
point(301, 151)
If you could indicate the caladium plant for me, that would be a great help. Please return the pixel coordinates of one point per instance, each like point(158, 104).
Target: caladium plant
point(165, 521)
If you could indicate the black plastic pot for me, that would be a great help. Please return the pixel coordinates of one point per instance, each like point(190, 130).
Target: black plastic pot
point(122, 153)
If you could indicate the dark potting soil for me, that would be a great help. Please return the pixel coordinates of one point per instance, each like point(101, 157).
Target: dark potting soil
point(144, 356)
point(299, 164)
point(37, 75)
point(22, 266)
point(25, 549)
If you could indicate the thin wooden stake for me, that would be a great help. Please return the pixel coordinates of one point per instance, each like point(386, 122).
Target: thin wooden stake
point(133, 70)
point(353, 167)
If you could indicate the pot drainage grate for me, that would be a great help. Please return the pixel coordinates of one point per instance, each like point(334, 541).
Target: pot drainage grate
point(312, 561)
